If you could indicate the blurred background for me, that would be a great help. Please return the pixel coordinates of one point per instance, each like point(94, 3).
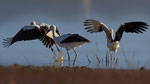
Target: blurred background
point(68, 16)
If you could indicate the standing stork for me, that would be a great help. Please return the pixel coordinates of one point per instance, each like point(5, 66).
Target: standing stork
point(113, 44)
point(68, 41)
point(32, 32)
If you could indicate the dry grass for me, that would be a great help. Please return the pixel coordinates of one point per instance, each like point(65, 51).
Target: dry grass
point(71, 75)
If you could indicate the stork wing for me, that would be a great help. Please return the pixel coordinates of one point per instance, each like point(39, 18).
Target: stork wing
point(97, 26)
point(130, 27)
point(26, 33)
point(75, 38)
point(46, 42)
point(46, 38)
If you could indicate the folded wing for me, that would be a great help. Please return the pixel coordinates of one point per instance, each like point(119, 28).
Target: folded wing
point(75, 38)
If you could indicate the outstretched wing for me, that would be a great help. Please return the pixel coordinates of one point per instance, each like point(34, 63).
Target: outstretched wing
point(97, 26)
point(130, 27)
point(46, 41)
point(26, 33)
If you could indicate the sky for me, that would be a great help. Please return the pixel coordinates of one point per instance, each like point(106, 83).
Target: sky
point(68, 16)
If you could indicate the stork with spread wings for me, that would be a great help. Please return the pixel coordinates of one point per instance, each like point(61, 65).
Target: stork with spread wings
point(94, 26)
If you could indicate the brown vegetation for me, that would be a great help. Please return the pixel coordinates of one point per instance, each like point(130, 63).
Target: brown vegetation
point(71, 75)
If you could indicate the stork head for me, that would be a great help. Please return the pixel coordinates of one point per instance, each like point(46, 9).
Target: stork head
point(53, 28)
point(33, 23)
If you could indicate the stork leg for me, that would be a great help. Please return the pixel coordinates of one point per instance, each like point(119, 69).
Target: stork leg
point(114, 60)
point(54, 53)
point(114, 57)
point(62, 56)
point(111, 58)
point(68, 57)
point(115, 52)
point(75, 56)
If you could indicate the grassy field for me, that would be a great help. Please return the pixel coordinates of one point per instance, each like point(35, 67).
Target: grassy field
point(71, 75)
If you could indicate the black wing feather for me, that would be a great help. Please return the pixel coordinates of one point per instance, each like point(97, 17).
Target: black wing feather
point(22, 35)
point(131, 27)
point(75, 38)
point(46, 42)
point(93, 26)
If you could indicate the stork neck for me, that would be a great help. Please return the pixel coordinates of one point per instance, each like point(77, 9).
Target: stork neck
point(111, 31)
point(54, 36)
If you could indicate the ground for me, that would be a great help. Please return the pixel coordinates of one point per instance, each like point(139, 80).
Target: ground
point(71, 75)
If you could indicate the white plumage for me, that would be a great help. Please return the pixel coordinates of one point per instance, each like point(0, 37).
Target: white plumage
point(68, 41)
point(113, 44)
point(32, 32)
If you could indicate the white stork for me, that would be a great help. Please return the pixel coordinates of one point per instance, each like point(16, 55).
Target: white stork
point(32, 32)
point(113, 44)
point(68, 41)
